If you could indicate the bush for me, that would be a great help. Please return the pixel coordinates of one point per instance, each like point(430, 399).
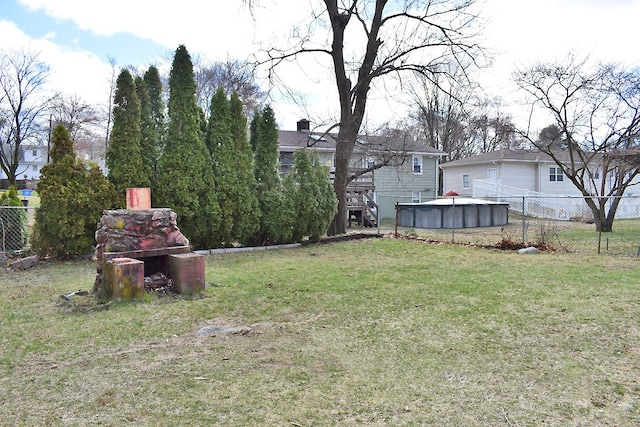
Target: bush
point(313, 201)
point(72, 198)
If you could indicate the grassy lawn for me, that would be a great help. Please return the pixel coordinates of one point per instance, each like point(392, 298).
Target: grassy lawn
point(577, 237)
point(373, 332)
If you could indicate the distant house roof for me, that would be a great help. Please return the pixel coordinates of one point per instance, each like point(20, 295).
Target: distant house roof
point(506, 155)
point(293, 140)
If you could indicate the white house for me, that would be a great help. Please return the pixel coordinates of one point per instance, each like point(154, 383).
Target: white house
point(32, 158)
point(528, 170)
point(506, 174)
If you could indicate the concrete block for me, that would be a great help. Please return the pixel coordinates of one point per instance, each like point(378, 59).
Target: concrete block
point(187, 272)
point(138, 199)
point(123, 279)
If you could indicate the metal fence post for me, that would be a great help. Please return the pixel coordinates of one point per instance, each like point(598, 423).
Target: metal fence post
point(523, 222)
point(396, 229)
point(453, 219)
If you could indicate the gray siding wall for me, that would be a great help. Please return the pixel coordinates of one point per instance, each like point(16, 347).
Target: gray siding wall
point(397, 184)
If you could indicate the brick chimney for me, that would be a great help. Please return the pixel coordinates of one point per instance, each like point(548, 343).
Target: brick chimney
point(303, 125)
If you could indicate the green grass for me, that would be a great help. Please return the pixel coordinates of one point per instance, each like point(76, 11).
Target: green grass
point(375, 332)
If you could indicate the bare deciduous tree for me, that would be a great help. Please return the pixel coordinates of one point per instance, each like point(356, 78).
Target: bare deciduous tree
point(232, 76)
point(453, 116)
point(373, 41)
point(440, 114)
point(596, 127)
point(490, 128)
point(109, 106)
point(82, 120)
point(23, 107)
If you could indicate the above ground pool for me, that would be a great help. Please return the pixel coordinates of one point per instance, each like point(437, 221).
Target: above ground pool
point(455, 212)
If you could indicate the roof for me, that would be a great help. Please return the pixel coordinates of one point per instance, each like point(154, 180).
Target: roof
point(505, 155)
point(293, 140)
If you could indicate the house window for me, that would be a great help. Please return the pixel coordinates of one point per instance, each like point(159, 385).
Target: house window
point(34, 153)
point(286, 162)
point(555, 174)
point(417, 165)
point(34, 168)
point(368, 162)
point(416, 197)
point(595, 174)
point(465, 181)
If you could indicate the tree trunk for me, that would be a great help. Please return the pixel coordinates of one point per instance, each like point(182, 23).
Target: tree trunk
point(340, 181)
point(607, 225)
point(346, 140)
point(11, 176)
point(602, 219)
point(339, 223)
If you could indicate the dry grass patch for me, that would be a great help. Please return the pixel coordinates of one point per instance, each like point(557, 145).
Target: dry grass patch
point(376, 332)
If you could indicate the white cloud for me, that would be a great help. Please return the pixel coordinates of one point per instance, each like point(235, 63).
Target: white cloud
point(72, 72)
point(519, 33)
point(218, 29)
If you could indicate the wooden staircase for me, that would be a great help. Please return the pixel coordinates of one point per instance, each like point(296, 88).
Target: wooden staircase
point(361, 207)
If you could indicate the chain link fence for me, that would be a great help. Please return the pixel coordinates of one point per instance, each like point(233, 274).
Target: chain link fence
point(564, 223)
point(15, 229)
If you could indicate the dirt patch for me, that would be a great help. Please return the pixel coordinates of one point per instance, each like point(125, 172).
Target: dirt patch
point(503, 245)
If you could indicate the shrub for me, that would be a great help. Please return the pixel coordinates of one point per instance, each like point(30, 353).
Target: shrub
point(72, 198)
point(313, 201)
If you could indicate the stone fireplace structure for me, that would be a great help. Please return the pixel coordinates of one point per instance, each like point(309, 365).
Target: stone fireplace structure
point(139, 249)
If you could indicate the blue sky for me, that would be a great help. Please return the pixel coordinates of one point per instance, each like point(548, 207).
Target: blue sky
point(76, 37)
point(126, 48)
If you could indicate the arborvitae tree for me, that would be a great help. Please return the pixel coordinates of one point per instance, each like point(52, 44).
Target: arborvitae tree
point(154, 89)
point(267, 171)
point(328, 202)
point(220, 145)
point(124, 154)
point(246, 221)
point(253, 129)
point(203, 123)
point(275, 223)
point(148, 133)
point(186, 182)
point(72, 199)
point(309, 190)
point(233, 169)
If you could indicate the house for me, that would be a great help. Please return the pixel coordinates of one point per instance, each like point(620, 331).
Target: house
point(32, 158)
point(527, 170)
point(510, 175)
point(410, 173)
